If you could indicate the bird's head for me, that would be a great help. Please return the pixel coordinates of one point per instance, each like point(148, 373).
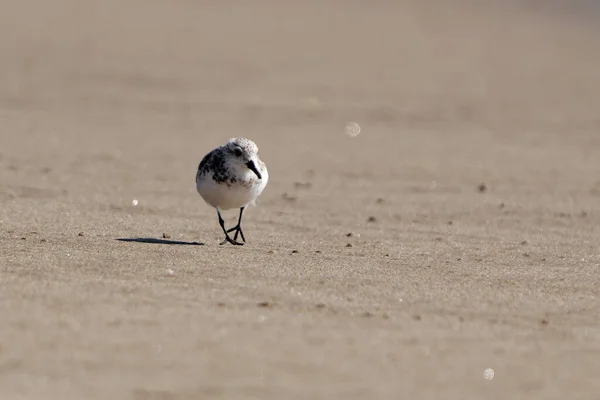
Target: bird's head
point(244, 154)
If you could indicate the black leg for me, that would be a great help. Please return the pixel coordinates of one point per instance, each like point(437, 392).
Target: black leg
point(239, 224)
point(227, 238)
point(238, 227)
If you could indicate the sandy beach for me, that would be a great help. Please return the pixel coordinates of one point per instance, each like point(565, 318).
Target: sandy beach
point(448, 251)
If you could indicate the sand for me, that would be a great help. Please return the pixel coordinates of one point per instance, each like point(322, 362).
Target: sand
point(455, 235)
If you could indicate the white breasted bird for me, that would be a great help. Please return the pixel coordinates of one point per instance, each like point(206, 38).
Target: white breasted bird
point(232, 176)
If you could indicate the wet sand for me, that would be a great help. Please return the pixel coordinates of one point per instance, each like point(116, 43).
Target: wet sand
point(458, 232)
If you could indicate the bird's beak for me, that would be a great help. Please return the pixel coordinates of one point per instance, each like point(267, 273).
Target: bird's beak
point(252, 167)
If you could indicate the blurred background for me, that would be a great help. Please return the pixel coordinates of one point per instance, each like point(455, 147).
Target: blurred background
point(104, 99)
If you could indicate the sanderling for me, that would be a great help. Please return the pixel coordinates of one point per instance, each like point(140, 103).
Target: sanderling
point(232, 176)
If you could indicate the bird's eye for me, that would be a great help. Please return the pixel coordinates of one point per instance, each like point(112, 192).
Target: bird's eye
point(238, 152)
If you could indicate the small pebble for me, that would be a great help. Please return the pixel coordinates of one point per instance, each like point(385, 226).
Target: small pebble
point(482, 187)
point(294, 251)
point(372, 219)
point(166, 236)
point(318, 251)
point(80, 234)
point(349, 245)
point(265, 304)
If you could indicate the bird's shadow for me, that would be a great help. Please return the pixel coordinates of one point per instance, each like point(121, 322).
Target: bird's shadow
point(160, 241)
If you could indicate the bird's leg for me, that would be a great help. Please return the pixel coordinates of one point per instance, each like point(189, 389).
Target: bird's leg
point(227, 238)
point(238, 227)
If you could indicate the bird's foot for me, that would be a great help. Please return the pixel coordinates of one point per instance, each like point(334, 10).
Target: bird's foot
point(232, 241)
point(238, 230)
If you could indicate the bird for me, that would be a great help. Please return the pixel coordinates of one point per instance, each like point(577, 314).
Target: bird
point(232, 176)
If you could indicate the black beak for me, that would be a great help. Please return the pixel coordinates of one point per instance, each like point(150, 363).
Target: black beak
point(250, 164)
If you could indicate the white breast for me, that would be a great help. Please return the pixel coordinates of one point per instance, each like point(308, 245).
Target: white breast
point(235, 195)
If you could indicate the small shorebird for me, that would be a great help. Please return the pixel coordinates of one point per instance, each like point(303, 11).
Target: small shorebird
point(232, 176)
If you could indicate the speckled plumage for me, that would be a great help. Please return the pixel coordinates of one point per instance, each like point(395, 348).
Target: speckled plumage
point(214, 162)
